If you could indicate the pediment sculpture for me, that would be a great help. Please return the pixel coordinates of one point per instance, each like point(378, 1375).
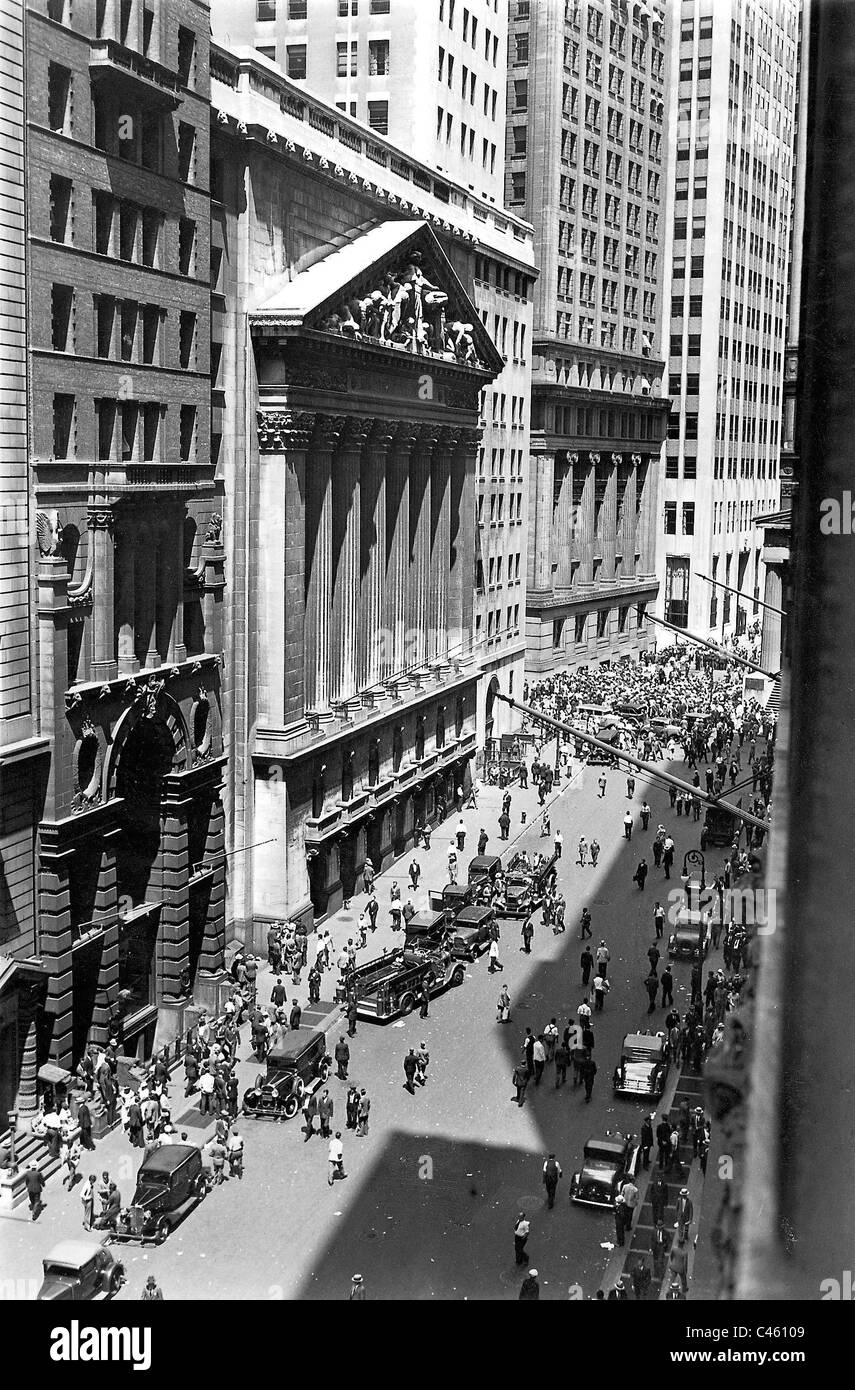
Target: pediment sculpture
point(406, 310)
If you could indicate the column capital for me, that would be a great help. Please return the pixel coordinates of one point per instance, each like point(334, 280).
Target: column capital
point(281, 430)
point(573, 460)
point(617, 460)
point(99, 520)
point(355, 432)
point(328, 430)
point(382, 435)
point(427, 436)
point(636, 460)
point(405, 437)
point(448, 437)
point(594, 459)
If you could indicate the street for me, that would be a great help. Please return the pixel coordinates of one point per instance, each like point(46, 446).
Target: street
point(433, 1192)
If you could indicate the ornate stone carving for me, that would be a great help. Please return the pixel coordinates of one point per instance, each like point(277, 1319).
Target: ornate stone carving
point(280, 430)
point(355, 433)
point(407, 311)
point(100, 521)
point(573, 460)
point(48, 533)
point(150, 695)
point(594, 459)
point(327, 430)
point(617, 460)
point(215, 530)
point(636, 460)
point(73, 699)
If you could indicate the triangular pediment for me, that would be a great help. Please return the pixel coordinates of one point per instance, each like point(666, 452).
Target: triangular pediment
point(392, 287)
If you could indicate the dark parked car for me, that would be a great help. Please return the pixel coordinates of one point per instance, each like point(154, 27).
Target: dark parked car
point(171, 1181)
point(298, 1064)
point(76, 1270)
point(453, 898)
point(484, 866)
point(606, 1164)
point(472, 933)
point(690, 939)
point(643, 1066)
point(426, 931)
point(720, 827)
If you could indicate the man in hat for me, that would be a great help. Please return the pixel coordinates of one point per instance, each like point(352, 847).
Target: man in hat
point(34, 1183)
point(152, 1291)
point(551, 1174)
point(357, 1289)
point(685, 1214)
point(521, 1234)
point(530, 1288)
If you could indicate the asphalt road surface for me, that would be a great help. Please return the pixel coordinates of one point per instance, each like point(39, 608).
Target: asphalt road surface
point(432, 1193)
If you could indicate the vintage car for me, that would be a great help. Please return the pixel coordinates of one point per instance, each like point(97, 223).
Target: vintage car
point(299, 1063)
point(453, 898)
point(426, 929)
point(598, 757)
point(720, 827)
point(632, 712)
point(472, 932)
point(171, 1181)
point(606, 1164)
point(79, 1270)
point(690, 939)
point(643, 1067)
point(524, 887)
point(484, 866)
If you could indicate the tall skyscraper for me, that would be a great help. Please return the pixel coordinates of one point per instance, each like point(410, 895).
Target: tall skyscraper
point(734, 73)
point(585, 163)
point(429, 74)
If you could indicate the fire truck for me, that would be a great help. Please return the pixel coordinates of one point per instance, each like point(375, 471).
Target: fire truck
point(390, 985)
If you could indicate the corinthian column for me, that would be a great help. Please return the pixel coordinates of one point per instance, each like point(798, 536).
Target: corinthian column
point(345, 556)
point(629, 505)
point(319, 560)
point(398, 549)
point(440, 556)
point(420, 547)
point(462, 572)
point(610, 519)
point(372, 501)
point(103, 570)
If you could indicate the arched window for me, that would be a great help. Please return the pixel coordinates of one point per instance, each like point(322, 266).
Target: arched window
point(440, 727)
point(374, 763)
point(420, 738)
point(319, 793)
point(398, 748)
point(347, 775)
point(458, 717)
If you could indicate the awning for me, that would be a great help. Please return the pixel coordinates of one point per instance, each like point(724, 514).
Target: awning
point(54, 1075)
point(9, 968)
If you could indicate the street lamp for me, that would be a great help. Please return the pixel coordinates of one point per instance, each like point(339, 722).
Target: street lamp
point(694, 862)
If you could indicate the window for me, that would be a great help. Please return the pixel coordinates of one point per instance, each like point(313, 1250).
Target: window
point(187, 431)
point(342, 59)
point(151, 329)
point(517, 188)
point(129, 315)
point(670, 518)
point(151, 222)
point(557, 634)
point(186, 152)
point(151, 414)
point(127, 231)
point(521, 95)
point(380, 7)
point(295, 60)
point(60, 209)
point(346, 7)
point(688, 518)
point(63, 426)
point(150, 143)
point(130, 419)
point(677, 590)
point(61, 317)
point(186, 55)
point(104, 312)
point(378, 57)
point(378, 116)
point(186, 335)
point(59, 98)
point(105, 423)
point(265, 10)
point(297, 9)
point(186, 245)
point(603, 622)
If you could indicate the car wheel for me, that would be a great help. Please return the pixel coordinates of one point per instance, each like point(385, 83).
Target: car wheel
point(290, 1107)
point(116, 1280)
point(458, 976)
point(408, 1003)
point(161, 1230)
point(202, 1189)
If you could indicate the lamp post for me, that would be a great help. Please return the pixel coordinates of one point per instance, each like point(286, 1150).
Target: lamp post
point(694, 862)
point(13, 1157)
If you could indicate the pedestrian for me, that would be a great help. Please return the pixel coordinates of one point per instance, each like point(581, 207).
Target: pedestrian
point(363, 1110)
point(521, 1234)
point(527, 933)
point(640, 875)
point(314, 985)
point(461, 834)
point(234, 1153)
point(495, 963)
point(603, 955)
point(217, 1150)
point(372, 907)
point(602, 784)
point(424, 1000)
point(335, 1159)
point(659, 919)
point(410, 1066)
point(482, 841)
point(668, 855)
point(503, 1006)
point(645, 815)
point(667, 983)
point(620, 1219)
point(295, 1016)
point(586, 961)
point(422, 1062)
point(415, 875)
point(504, 825)
point(601, 988)
point(550, 1039)
point(629, 1192)
point(530, 1288)
point(685, 1214)
point(658, 1195)
point(651, 984)
point(562, 1059)
point(341, 1056)
point(356, 1293)
point(367, 875)
point(152, 1293)
point(559, 844)
point(310, 1110)
point(678, 1264)
point(538, 1053)
point(520, 1080)
point(583, 852)
point(627, 825)
point(87, 1198)
point(646, 1139)
point(351, 1107)
point(659, 1246)
point(351, 1016)
point(325, 1113)
point(551, 1175)
point(630, 787)
point(84, 1120)
point(588, 1071)
point(585, 924)
point(595, 853)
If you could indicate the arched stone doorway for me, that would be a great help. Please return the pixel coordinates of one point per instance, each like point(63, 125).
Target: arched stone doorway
point(490, 711)
point(146, 759)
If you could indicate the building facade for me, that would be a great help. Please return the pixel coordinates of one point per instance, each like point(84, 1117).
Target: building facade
point(357, 434)
point(585, 162)
point(429, 74)
point(734, 73)
point(125, 928)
